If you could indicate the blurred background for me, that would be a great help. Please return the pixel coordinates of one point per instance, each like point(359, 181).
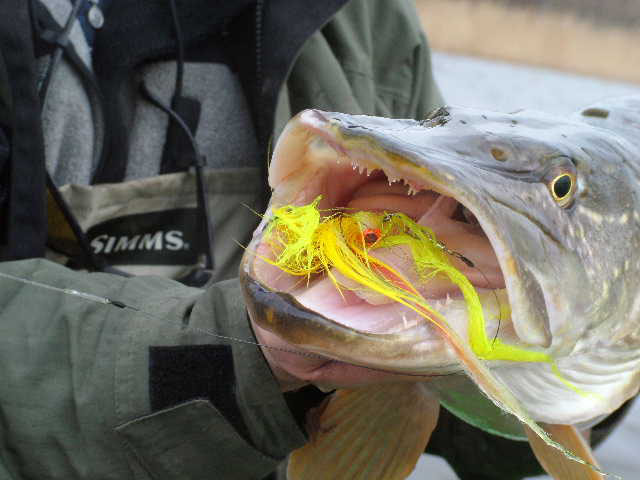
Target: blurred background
point(594, 37)
point(550, 55)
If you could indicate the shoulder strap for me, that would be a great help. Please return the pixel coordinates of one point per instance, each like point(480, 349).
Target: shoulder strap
point(23, 226)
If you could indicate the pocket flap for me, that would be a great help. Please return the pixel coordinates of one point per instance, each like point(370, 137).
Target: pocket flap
point(193, 441)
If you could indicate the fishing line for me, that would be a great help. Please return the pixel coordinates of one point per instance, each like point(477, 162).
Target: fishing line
point(495, 295)
point(122, 305)
point(125, 306)
point(471, 264)
point(438, 243)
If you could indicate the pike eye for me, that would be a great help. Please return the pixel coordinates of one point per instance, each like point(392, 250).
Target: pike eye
point(562, 188)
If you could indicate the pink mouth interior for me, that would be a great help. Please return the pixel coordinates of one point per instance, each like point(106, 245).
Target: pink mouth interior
point(453, 224)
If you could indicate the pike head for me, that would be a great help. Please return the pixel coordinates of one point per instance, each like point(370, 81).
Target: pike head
point(545, 208)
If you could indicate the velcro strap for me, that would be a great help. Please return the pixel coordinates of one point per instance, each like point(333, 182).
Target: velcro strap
point(178, 374)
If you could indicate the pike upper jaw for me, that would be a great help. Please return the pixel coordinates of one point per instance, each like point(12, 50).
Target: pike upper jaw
point(312, 159)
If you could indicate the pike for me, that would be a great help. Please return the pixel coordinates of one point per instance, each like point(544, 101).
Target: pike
point(541, 213)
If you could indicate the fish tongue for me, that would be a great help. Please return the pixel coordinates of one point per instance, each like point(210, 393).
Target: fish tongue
point(438, 216)
point(372, 432)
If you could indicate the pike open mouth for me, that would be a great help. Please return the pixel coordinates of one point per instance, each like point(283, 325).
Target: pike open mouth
point(315, 158)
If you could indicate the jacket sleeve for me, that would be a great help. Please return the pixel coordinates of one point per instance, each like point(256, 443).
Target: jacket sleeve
point(149, 386)
point(423, 95)
point(372, 58)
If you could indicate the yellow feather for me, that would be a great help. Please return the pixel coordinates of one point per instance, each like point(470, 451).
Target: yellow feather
point(306, 243)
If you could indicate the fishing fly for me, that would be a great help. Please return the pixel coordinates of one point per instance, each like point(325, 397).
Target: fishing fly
point(304, 242)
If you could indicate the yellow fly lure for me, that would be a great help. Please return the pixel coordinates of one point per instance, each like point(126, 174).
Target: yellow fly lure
point(306, 242)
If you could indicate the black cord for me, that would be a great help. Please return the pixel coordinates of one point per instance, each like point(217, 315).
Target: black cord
point(174, 116)
point(61, 41)
point(200, 162)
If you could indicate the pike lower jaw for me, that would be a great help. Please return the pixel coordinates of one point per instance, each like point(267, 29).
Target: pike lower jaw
point(367, 327)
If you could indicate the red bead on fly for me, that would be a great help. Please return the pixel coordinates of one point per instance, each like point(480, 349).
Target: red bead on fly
point(371, 236)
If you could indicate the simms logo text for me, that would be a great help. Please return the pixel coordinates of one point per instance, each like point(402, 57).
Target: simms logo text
point(170, 240)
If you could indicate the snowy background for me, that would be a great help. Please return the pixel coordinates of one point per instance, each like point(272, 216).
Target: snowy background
point(507, 87)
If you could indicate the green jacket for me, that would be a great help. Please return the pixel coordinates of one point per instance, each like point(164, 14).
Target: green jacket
point(80, 379)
